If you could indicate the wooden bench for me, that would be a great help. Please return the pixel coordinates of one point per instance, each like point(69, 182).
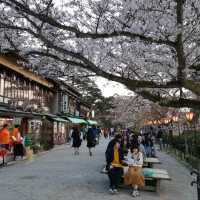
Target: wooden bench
point(152, 181)
point(149, 162)
point(152, 176)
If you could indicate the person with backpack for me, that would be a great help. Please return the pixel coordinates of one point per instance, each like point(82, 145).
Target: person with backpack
point(76, 137)
point(91, 139)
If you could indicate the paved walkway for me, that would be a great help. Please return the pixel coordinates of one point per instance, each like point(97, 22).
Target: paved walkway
point(59, 175)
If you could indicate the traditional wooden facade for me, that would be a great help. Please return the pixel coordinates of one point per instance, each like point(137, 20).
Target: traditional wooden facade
point(41, 106)
point(25, 98)
point(66, 104)
point(23, 91)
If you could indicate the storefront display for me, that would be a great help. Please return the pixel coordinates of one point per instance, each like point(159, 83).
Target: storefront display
point(34, 128)
point(8, 121)
point(59, 133)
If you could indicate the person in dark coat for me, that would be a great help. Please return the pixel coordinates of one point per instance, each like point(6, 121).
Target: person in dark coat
point(114, 163)
point(76, 137)
point(125, 144)
point(91, 139)
point(148, 144)
point(133, 141)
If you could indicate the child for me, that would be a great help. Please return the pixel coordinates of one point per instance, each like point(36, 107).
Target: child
point(134, 176)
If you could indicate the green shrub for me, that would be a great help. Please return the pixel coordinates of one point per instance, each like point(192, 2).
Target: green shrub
point(193, 142)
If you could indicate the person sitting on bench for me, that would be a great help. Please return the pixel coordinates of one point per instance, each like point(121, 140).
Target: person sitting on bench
point(134, 176)
point(114, 160)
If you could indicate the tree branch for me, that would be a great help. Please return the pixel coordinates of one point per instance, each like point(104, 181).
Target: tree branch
point(80, 34)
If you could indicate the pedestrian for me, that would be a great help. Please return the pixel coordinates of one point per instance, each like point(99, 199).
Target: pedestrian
point(142, 148)
point(98, 131)
point(125, 144)
point(114, 163)
point(76, 137)
point(5, 137)
point(17, 141)
point(160, 138)
point(91, 139)
point(133, 141)
point(148, 145)
point(134, 176)
point(70, 137)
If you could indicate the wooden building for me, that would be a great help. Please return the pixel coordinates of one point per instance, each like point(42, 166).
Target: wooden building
point(44, 108)
point(25, 98)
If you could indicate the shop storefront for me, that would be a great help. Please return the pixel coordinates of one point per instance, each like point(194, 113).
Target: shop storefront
point(60, 133)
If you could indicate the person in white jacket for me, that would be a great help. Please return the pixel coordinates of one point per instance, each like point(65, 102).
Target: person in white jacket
point(134, 176)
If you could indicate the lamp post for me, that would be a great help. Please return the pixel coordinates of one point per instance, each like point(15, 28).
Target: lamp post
point(175, 119)
point(189, 116)
point(166, 122)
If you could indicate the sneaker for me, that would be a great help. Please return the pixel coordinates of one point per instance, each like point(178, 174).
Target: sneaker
point(134, 193)
point(137, 193)
point(111, 191)
point(115, 191)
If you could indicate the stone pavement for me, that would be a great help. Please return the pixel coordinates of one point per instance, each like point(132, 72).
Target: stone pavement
point(59, 175)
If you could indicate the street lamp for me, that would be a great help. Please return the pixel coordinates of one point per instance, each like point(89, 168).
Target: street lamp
point(175, 119)
point(189, 116)
point(166, 121)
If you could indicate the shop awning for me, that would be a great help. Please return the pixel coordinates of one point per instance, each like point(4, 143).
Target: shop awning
point(58, 119)
point(5, 112)
point(92, 122)
point(75, 120)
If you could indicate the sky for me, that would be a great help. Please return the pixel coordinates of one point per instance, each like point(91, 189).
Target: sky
point(110, 88)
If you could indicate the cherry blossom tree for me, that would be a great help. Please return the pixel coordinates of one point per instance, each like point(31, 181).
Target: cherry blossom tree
point(152, 47)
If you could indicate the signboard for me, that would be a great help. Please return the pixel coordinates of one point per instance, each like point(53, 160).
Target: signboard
point(65, 104)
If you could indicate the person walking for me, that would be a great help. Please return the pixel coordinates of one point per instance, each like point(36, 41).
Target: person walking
point(5, 137)
point(91, 139)
point(148, 145)
point(17, 141)
point(98, 131)
point(134, 176)
point(114, 163)
point(76, 143)
point(160, 138)
point(142, 148)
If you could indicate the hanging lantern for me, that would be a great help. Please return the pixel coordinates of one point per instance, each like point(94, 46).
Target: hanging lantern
point(189, 116)
point(159, 122)
point(175, 118)
point(155, 122)
point(166, 121)
point(150, 122)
